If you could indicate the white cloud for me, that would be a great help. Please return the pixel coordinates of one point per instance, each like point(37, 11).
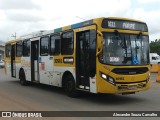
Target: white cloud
point(148, 1)
point(152, 19)
point(17, 4)
point(3, 16)
point(66, 11)
point(154, 36)
point(21, 28)
point(24, 16)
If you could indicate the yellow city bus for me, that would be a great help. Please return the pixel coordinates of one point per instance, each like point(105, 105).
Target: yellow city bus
point(102, 55)
point(11, 60)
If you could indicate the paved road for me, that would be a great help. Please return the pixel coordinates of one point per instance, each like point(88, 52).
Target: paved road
point(14, 97)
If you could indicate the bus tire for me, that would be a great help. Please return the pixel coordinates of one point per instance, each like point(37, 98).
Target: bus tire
point(22, 78)
point(69, 87)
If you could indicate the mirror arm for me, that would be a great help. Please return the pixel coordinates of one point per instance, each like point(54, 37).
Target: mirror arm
point(99, 33)
point(99, 52)
point(100, 43)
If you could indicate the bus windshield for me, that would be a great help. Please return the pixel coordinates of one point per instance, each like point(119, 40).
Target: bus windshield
point(125, 49)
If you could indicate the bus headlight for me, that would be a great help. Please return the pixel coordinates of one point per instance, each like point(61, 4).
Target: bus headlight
point(111, 80)
point(104, 76)
point(108, 78)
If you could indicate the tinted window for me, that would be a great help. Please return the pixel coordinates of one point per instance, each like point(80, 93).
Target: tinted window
point(67, 43)
point(44, 46)
point(153, 58)
point(19, 49)
point(8, 50)
point(92, 53)
point(55, 45)
point(26, 48)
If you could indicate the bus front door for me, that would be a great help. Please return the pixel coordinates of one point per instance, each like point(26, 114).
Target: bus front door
point(13, 66)
point(34, 61)
point(85, 58)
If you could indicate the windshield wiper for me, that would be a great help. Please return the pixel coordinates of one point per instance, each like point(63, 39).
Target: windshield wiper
point(135, 58)
point(123, 44)
point(139, 35)
point(126, 58)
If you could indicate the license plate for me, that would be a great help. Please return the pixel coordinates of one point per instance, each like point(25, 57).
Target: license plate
point(132, 87)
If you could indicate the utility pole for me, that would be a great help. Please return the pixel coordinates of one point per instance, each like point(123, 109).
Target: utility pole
point(80, 18)
point(14, 35)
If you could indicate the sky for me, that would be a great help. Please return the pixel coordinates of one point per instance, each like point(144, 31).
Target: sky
point(27, 16)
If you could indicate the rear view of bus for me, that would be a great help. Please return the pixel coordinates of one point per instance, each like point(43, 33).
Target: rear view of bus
point(123, 64)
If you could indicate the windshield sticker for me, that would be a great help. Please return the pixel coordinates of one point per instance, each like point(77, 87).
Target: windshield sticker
point(135, 60)
point(114, 59)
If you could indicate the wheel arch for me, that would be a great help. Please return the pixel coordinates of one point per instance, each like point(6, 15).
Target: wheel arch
point(65, 74)
point(21, 69)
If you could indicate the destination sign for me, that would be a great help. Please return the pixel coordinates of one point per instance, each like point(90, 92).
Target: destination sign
point(127, 25)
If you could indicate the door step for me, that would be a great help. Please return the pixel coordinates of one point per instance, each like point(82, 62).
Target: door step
point(35, 81)
point(84, 87)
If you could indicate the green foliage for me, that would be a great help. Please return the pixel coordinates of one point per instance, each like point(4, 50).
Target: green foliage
point(155, 46)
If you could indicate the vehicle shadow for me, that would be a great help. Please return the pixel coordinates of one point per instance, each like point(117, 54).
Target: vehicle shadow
point(111, 98)
point(103, 99)
point(40, 86)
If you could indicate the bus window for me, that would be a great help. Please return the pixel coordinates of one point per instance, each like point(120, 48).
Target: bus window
point(44, 45)
point(92, 56)
point(67, 43)
point(19, 49)
point(26, 48)
point(8, 50)
point(55, 45)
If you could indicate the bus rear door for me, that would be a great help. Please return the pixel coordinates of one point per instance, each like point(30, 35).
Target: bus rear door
point(13, 66)
point(34, 61)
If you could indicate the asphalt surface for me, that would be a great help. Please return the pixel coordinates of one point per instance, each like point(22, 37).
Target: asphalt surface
point(14, 97)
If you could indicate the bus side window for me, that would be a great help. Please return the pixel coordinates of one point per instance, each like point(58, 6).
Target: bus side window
point(92, 60)
point(44, 45)
point(8, 50)
point(153, 58)
point(19, 49)
point(55, 45)
point(26, 48)
point(67, 43)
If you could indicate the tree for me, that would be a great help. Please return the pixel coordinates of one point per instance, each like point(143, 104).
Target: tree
point(155, 46)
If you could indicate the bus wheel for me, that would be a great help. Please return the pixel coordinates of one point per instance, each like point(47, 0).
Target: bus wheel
point(22, 78)
point(69, 87)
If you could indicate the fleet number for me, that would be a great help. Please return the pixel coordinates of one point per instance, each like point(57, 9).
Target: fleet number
point(111, 24)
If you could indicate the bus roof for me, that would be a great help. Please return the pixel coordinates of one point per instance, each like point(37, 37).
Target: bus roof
point(13, 41)
point(92, 21)
point(128, 19)
point(73, 26)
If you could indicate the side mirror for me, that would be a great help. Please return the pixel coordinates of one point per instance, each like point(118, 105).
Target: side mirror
point(139, 35)
point(99, 42)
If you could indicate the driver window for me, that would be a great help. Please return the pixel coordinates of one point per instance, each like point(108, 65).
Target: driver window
point(153, 58)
